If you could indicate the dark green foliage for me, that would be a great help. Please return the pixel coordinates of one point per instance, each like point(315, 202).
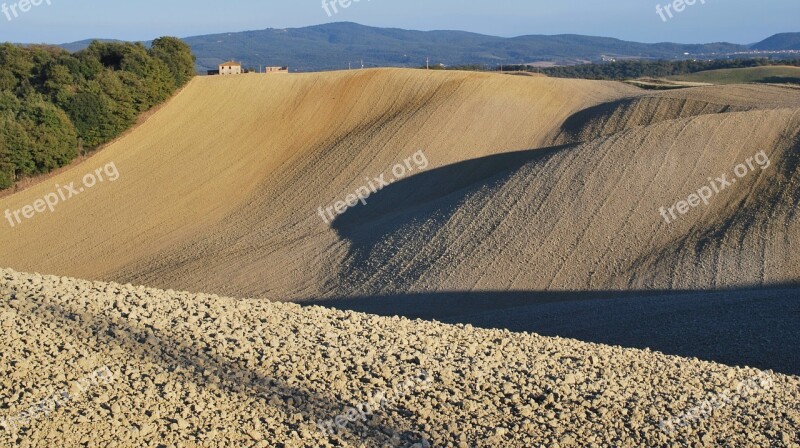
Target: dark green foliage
point(16, 65)
point(53, 140)
point(177, 56)
point(6, 166)
point(92, 113)
point(124, 108)
point(16, 145)
point(134, 59)
point(647, 69)
point(54, 103)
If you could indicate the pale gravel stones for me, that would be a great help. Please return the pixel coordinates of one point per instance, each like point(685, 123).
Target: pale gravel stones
point(202, 370)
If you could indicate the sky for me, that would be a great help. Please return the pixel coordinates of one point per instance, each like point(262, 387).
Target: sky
point(736, 21)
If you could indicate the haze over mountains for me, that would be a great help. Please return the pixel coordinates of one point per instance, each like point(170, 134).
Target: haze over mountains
point(333, 46)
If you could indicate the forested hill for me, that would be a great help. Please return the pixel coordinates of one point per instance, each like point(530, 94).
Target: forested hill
point(779, 42)
point(55, 105)
point(334, 45)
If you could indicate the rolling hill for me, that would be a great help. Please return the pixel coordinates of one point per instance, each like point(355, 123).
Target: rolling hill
point(280, 136)
point(332, 46)
point(778, 42)
point(535, 190)
point(774, 74)
point(143, 367)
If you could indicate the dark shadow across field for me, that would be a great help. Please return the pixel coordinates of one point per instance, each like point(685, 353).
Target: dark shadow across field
point(747, 327)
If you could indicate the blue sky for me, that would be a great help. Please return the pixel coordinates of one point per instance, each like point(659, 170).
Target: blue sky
point(738, 21)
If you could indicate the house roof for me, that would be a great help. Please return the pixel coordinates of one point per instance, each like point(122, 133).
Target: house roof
point(230, 63)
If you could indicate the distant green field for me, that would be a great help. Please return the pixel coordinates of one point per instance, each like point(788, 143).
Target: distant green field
point(776, 74)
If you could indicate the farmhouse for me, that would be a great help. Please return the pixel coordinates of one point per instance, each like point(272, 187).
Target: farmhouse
point(230, 68)
point(276, 69)
point(235, 68)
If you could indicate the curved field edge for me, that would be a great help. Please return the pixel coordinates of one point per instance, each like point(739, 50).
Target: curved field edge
point(201, 369)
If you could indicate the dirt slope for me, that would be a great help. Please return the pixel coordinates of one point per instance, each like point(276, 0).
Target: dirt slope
point(532, 190)
point(547, 222)
point(616, 116)
point(219, 191)
point(109, 365)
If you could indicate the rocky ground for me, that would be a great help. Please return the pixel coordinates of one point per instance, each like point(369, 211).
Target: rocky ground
point(756, 328)
point(107, 365)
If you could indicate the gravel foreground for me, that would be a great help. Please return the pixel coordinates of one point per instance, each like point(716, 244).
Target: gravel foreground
point(107, 365)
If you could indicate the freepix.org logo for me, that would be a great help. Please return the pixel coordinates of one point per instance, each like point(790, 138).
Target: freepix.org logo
point(665, 12)
point(418, 161)
point(61, 194)
point(13, 10)
point(715, 187)
point(332, 6)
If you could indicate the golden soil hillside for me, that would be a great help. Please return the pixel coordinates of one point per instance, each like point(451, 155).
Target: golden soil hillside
point(220, 190)
point(587, 217)
point(655, 107)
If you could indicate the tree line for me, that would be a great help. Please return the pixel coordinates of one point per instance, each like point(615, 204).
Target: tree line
point(56, 105)
point(623, 70)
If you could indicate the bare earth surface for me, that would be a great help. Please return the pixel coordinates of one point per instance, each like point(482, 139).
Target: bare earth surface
point(537, 209)
point(532, 184)
point(756, 328)
point(202, 370)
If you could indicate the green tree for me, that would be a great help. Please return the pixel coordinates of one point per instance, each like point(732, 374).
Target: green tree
point(16, 67)
point(123, 106)
point(88, 65)
point(49, 98)
point(155, 74)
point(137, 89)
point(7, 166)
point(177, 56)
point(17, 147)
point(92, 113)
point(53, 139)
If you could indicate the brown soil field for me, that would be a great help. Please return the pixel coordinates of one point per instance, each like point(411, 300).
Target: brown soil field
point(536, 189)
point(107, 365)
point(219, 190)
point(233, 170)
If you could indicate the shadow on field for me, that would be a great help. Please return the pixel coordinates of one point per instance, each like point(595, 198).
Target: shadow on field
point(753, 326)
point(747, 327)
point(426, 199)
point(780, 80)
point(434, 184)
point(201, 365)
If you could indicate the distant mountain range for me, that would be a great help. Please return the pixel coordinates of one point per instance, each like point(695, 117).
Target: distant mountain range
point(338, 45)
point(779, 42)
